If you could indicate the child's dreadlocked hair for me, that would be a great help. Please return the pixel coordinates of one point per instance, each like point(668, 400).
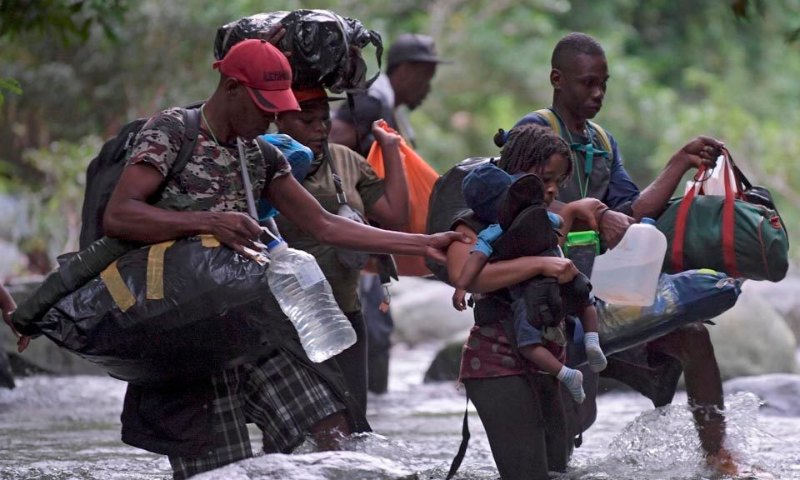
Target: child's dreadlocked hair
point(531, 145)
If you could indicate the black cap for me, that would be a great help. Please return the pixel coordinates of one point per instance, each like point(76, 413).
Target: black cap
point(413, 47)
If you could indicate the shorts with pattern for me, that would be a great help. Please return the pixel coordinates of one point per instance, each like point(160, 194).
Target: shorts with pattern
point(279, 394)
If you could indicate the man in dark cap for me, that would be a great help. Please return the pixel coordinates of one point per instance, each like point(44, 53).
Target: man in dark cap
point(411, 65)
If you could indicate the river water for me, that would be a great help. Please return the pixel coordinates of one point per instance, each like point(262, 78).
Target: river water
point(68, 428)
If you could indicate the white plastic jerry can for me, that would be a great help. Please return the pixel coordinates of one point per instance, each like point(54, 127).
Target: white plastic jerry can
point(628, 273)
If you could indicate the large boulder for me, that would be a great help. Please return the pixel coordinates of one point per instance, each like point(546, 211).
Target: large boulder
point(782, 296)
point(778, 392)
point(753, 339)
point(423, 312)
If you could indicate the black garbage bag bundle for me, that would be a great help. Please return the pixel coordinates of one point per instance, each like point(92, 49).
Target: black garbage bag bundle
point(165, 313)
point(325, 48)
point(75, 269)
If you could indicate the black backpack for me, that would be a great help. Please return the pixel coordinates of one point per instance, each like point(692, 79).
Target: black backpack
point(105, 169)
point(447, 204)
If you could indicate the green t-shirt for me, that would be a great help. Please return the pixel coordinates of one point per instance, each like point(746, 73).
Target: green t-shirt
point(363, 188)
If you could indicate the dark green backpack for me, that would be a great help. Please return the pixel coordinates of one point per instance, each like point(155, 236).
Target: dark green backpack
point(105, 169)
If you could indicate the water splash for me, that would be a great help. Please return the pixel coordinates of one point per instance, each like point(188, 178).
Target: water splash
point(663, 444)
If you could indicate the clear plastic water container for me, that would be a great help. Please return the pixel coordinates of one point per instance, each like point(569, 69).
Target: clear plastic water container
point(305, 296)
point(628, 273)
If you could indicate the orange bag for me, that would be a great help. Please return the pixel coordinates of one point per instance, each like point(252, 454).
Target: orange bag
point(420, 178)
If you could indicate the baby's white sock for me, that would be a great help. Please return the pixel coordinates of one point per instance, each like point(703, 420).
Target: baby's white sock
point(573, 379)
point(597, 360)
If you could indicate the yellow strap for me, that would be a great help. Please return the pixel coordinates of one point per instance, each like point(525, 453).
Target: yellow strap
point(551, 120)
point(155, 270)
point(209, 241)
point(116, 286)
point(606, 143)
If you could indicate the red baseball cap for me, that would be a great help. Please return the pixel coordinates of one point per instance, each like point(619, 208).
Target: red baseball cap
point(264, 70)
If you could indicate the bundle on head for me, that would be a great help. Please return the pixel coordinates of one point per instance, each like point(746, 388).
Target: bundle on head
point(325, 47)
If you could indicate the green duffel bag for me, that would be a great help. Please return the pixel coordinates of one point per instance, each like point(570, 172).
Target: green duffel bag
point(739, 233)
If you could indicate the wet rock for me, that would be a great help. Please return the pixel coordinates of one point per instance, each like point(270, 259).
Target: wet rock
point(446, 364)
point(782, 296)
point(313, 466)
point(778, 392)
point(422, 312)
point(753, 339)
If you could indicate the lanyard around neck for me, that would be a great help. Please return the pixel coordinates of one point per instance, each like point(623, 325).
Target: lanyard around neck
point(588, 150)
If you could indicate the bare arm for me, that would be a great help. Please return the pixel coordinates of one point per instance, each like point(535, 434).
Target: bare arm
point(130, 217)
point(698, 152)
point(472, 268)
point(391, 210)
point(302, 209)
point(505, 273)
point(583, 214)
point(591, 214)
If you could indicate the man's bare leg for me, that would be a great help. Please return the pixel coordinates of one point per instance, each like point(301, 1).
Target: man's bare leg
point(329, 431)
point(692, 346)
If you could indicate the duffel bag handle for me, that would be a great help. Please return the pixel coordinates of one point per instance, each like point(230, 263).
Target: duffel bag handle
point(728, 218)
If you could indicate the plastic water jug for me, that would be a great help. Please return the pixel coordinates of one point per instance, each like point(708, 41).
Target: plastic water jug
point(628, 273)
point(305, 296)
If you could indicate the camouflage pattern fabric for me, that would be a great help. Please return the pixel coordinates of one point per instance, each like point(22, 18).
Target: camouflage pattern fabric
point(212, 179)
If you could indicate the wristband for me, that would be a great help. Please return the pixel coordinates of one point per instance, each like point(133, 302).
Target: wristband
point(600, 220)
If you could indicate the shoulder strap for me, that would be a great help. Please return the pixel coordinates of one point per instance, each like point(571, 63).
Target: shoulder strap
point(341, 197)
point(605, 141)
point(552, 120)
point(462, 448)
point(191, 124)
point(191, 121)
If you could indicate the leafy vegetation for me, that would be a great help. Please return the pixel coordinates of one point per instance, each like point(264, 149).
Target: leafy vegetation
point(75, 71)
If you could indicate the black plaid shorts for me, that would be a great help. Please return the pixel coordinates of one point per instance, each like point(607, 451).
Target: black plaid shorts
point(279, 394)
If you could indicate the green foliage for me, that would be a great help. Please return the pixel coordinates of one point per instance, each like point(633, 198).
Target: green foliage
point(9, 85)
point(57, 194)
point(68, 20)
point(679, 68)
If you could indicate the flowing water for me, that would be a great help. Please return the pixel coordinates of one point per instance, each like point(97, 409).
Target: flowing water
point(68, 428)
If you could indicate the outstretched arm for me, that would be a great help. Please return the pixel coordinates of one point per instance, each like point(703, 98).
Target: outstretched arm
point(700, 151)
point(303, 210)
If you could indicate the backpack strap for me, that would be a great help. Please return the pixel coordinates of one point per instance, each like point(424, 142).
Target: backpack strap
point(191, 121)
point(605, 141)
point(552, 120)
point(462, 449)
point(191, 130)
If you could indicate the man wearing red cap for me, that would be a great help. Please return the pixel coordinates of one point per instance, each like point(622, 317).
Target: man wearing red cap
point(202, 425)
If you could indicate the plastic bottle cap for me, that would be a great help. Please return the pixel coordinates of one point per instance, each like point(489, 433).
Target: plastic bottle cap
point(648, 221)
point(276, 246)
